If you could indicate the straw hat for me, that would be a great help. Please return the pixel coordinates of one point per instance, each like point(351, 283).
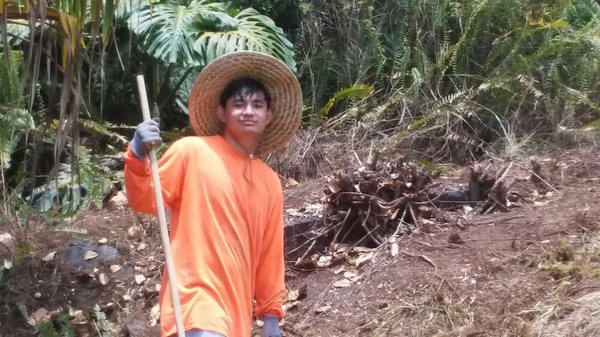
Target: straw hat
point(278, 79)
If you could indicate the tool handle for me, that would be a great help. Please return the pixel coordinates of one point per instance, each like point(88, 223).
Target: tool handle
point(143, 97)
point(162, 219)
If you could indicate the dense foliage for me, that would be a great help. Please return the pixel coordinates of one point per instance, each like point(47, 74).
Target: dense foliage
point(458, 75)
point(454, 78)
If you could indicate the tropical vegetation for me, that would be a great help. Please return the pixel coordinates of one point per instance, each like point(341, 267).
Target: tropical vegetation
point(453, 80)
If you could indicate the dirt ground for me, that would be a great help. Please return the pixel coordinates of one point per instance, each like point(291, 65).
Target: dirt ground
point(528, 272)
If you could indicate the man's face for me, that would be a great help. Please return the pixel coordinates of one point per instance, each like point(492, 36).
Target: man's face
point(245, 116)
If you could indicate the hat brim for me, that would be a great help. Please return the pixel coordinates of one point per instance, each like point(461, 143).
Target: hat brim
point(279, 80)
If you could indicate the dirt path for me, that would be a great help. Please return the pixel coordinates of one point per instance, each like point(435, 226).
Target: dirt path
point(521, 273)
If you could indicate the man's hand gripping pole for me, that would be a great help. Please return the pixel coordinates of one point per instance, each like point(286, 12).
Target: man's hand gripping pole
point(162, 219)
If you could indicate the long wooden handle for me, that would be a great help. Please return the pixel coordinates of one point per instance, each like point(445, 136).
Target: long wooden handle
point(162, 219)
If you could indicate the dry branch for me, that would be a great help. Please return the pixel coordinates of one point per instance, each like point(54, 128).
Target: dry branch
point(497, 196)
point(373, 202)
point(381, 198)
point(421, 256)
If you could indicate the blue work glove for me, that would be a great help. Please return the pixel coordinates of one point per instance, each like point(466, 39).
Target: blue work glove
point(147, 135)
point(271, 326)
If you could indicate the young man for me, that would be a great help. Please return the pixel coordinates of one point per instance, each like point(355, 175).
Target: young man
point(226, 204)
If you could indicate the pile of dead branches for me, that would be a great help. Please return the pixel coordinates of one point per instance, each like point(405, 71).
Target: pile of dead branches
point(367, 205)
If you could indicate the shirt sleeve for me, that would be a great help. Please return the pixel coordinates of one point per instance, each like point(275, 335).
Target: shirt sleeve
point(138, 180)
point(270, 271)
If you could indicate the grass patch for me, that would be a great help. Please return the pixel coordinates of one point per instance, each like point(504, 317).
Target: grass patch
point(569, 265)
point(565, 317)
point(565, 263)
point(441, 314)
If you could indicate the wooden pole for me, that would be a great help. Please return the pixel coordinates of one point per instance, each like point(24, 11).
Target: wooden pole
point(162, 219)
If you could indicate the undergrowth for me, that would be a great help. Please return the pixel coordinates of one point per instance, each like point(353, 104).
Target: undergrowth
point(457, 79)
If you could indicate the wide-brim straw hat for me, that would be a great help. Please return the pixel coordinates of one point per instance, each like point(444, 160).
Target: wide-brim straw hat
point(278, 79)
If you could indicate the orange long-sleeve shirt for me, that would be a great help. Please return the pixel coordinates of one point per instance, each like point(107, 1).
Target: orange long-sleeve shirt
point(226, 233)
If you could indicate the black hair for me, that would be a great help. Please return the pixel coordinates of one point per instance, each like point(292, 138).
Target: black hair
point(243, 87)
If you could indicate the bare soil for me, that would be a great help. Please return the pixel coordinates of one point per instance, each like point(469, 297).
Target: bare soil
point(458, 274)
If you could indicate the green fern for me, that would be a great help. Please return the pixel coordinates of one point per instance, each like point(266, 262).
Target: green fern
point(14, 123)
point(60, 327)
point(66, 327)
point(10, 80)
point(463, 72)
point(102, 322)
point(104, 129)
point(74, 191)
point(14, 120)
point(582, 12)
point(80, 232)
point(93, 177)
point(46, 329)
point(355, 91)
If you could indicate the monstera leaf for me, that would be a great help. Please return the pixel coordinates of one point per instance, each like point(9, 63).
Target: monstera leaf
point(169, 28)
point(252, 31)
point(127, 7)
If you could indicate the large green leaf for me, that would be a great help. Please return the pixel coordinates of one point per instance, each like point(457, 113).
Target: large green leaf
point(253, 32)
point(168, 28)
point(127, 7)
